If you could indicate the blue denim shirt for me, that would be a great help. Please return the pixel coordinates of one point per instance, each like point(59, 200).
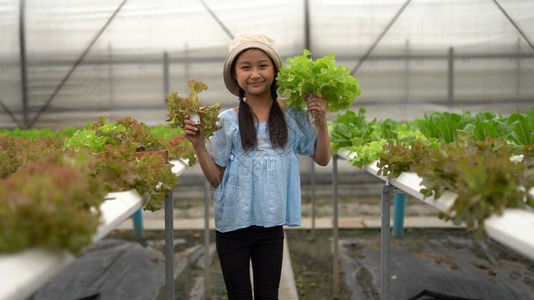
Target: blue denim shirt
point(262, 186)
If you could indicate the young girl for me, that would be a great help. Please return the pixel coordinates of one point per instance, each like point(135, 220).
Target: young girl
point(252, 162)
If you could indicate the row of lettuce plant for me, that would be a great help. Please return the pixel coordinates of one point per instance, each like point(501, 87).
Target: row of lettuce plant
point(486, 159)
point(52, 183)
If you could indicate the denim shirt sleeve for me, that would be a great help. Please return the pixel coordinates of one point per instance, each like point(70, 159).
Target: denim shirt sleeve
point(220, 143)
point(305, 134)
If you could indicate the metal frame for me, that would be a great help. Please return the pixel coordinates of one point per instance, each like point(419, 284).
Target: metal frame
point(169, 247)
point(450, 57)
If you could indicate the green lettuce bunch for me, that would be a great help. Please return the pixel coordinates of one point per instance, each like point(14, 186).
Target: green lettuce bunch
point(303, 76)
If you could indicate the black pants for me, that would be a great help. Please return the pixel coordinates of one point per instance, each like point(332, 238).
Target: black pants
point(261, 246)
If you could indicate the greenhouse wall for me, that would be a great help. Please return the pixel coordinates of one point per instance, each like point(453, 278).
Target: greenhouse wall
point(65, 63)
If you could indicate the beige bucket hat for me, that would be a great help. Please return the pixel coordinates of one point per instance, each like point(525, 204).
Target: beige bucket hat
point(243, 42)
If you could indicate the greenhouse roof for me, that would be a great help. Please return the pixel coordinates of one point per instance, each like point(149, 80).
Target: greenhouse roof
point(85, 58)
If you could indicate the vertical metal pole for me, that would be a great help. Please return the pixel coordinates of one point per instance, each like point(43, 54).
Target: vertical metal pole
point(384, 258)
point(23, 66)
point(207, 260)
point(137, 219)
point(169, 247)
point(110, 74)
point(335, 228)
point(518, 70)
point(406, 79)
point(398, 215)
point(166, 82)
point(186, 65)
point(450, 81)
point(312, 174)
point(407, 72)
point(307, 45)
point(307, 34)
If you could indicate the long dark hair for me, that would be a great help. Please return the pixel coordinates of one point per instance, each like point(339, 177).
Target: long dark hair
point(276, 124)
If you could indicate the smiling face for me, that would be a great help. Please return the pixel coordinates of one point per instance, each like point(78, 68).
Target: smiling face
point(254, 72)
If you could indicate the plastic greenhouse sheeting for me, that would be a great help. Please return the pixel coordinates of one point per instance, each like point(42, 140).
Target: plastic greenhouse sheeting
point(436, 264)
point(78, 60)
point(112, 269)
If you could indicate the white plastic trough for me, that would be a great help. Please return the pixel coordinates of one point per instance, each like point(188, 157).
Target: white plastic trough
point(514, 228)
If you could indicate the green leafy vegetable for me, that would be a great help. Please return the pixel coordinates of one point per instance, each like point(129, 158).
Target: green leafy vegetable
point(178, 107)
point(210, 117)
point(18, 152)
point(350, 129)
point(521, 132)
point(303, 77)
point(53, 202)
point(86, 139)
point(517, 128)
point(122, 169)
point(367, 153)
point(34, 134)
point(180, 148)
point(102, 134)
point(366, 138)
point(467, 154)
point(399, 157)
point(164, 132)
point(128, 157)
point(481, 173)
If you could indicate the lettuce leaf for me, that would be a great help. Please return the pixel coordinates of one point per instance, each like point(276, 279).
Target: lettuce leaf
point(178, 107)
point(302, 77)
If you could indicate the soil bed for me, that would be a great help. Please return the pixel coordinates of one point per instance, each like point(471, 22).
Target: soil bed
point(446, 262)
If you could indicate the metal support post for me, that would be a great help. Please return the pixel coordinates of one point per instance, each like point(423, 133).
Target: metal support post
point(518, 70)
point(387, 190)
point(207, 260)
point(137, 219)
point(398, 215)
point(111, 77)
point(23, 64)
point(166, 76)
point(335, 229)
point(450, 80)
point(169, 247)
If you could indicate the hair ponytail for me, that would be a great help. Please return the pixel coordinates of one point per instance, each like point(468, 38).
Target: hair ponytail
point(247, 128)
point(277, 122)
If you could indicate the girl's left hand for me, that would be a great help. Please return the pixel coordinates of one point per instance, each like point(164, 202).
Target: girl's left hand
point(318, 104)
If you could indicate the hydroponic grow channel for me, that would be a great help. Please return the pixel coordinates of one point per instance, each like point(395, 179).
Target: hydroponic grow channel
point(513, 228)
point(30, 269)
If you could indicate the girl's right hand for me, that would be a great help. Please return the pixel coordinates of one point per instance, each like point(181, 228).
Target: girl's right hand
point(192, 131)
